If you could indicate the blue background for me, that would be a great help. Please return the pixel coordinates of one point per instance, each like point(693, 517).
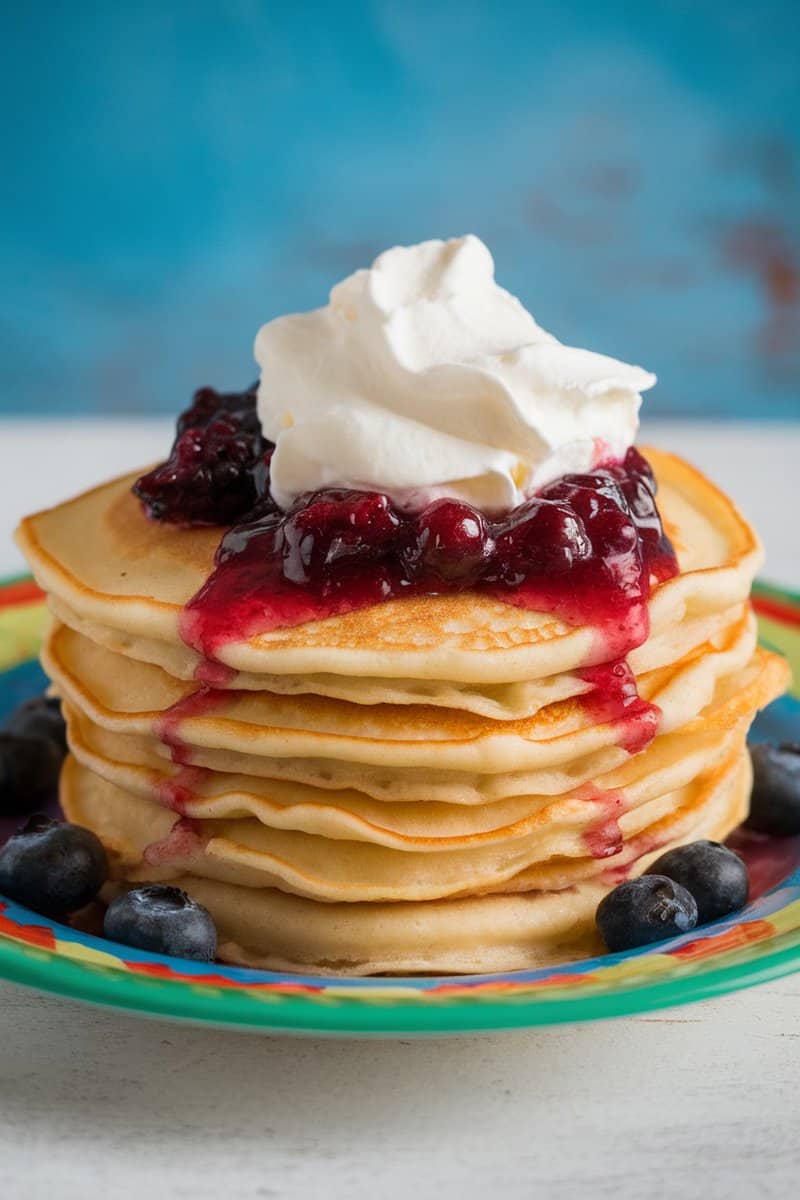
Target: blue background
point(176, 174)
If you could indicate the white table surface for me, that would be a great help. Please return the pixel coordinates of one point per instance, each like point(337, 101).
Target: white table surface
point(694, 1102)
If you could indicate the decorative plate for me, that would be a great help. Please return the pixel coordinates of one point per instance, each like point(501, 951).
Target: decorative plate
point(762, 942)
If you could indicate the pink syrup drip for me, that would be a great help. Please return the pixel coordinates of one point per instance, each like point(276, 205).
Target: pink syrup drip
point(180, 790)
point(214, 674)
point(183, 841)
point(613, 876)
point(615, 697)
point(604, 838)
point(643, 843)
point(167, 727)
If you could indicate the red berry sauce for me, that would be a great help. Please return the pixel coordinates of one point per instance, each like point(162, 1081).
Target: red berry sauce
point(768, 859)
point(614, 697)
point(179, 791)
point(603, 839)
point(195, 704)
point(218, 467)
point(182, 841)
point(587, 548)
point(579, 549)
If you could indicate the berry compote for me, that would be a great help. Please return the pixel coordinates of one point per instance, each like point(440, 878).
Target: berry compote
point(586, 547)
point(218, 468)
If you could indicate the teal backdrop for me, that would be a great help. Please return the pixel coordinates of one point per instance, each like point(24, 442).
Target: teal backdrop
point(174, 174)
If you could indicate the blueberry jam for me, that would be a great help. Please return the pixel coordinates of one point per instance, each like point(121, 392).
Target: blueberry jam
point(218, 468)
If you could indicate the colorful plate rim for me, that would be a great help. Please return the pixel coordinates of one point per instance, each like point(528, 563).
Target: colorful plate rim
point(759, 944)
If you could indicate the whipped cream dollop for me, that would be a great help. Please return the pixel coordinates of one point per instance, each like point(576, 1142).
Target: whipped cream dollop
point(423, 378)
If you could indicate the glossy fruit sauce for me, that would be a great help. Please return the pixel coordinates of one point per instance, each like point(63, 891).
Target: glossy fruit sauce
point(586, 548)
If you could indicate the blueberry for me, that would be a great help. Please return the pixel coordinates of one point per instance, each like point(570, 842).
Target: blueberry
point(52, 868)
point(775, 799)
point(645, 910)
point(42, 718)
point(29, 770)
point(715, 876)
point(163, 920)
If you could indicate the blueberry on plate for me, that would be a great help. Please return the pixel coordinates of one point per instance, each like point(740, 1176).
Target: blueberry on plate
point(644, 910)
point(164, 920)
point(29, 770)
point(40, 718)
point(715, 876)
point(52, 868)
point(775, 799)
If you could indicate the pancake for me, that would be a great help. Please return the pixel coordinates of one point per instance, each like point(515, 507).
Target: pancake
point(113, 692)
point(136, 575)
point(429, 826)
point(430, 784)
point(735, 702)
point(549, 854)
point(499, 701)
point(271, 929)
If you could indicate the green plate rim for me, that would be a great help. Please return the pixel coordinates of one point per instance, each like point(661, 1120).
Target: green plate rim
point(289, 1014)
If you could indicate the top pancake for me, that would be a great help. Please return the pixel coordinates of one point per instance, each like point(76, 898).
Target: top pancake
point(497, 701)
point(109, 564)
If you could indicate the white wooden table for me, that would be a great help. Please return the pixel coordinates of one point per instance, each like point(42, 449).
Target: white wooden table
point(696, 1102)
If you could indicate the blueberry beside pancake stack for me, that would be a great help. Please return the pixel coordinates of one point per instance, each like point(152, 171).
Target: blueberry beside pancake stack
point(441, 674)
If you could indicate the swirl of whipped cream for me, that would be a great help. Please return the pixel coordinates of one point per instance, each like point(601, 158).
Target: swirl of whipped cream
point(423, 378)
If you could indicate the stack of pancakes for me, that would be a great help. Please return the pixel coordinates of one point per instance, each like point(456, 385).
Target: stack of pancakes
point(427, 785)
